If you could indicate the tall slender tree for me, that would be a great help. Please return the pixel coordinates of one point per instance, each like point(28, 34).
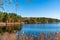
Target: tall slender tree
point(10, 1)
point(16, 6)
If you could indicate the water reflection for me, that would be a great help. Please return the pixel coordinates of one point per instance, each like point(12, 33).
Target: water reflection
point(9, 32)
point(40, 32)
point(10, 28)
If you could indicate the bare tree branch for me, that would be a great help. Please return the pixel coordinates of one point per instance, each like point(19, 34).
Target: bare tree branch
point(10, 1)
point(2, 4)
point(16, 6)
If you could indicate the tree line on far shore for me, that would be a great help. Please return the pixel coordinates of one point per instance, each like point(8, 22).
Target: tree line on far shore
point(13, 17)
point(41, 20)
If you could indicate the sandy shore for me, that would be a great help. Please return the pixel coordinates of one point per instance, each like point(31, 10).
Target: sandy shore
point(10, 23)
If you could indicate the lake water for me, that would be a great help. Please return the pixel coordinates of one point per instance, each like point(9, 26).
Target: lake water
point(36, 29)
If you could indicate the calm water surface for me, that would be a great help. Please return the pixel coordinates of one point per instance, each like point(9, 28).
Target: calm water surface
point(36, 29)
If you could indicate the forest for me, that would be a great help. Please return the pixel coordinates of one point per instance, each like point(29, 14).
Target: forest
point(13, 17)
point(9, 17)
point(39, 20)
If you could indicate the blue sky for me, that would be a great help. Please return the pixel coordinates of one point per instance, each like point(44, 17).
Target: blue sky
point(35, 8)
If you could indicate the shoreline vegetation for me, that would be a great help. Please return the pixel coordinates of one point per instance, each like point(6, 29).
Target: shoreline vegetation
point(13, 18)
point(39, 20)
point(11, 23)
point(7, 20)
